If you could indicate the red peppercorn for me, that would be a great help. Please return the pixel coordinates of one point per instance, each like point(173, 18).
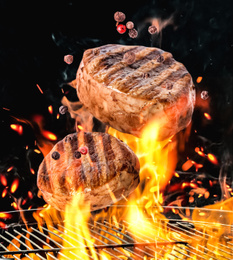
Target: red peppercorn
point(83, 150)
point(121, 28)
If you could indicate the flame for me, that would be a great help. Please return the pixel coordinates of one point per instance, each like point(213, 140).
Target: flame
point(140, 213)
point(10, 168)
point(3, 180)
point(4, 193)
point(50, 109)
point(18, 128)
point(49, 135)
point(5, 215)
point(199, 79)
point(45, 146)
point(212, 158)
point(207, 116)
point(218, 219)
point(200, 151)
point(158, 161)
point(78, 230)
point(41, 91)
point(14, 185)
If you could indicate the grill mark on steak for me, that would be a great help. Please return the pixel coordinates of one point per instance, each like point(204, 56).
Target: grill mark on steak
point(107, 61)
point(45, 180)
point(89, 141)
point(74, 142)
point(63, 184)
point(176, 75)
point(90, 54)
point(173, 77)
point(144, 59)
point(152, 87)
point(101, 156)
point(127, 164)
point(82, 178)
point(110, 157)
point(134, 82)
point(122, 72)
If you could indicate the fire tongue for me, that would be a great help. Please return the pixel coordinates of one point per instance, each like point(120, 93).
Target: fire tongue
point(141, 211)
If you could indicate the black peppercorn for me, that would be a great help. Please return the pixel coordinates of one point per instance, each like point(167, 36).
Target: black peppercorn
point(55, 155)
point(77, 154)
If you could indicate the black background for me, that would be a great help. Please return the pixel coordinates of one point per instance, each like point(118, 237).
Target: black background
point(35, 36)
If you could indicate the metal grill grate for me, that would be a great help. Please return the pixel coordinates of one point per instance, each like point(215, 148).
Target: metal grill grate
point(47, 242)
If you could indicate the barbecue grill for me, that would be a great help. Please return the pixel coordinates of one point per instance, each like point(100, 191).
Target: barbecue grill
point(185, 240)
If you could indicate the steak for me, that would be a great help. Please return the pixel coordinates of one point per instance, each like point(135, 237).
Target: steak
point(99, 166)
point(127, 87)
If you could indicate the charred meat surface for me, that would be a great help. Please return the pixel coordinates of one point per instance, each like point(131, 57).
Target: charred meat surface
point(95, 164)
point(129, 95)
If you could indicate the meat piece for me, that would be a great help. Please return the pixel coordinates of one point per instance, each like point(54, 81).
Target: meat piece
point(128, 96)
point(98, 165)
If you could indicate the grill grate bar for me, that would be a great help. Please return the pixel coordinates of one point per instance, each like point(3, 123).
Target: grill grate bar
point(30, 241)
point(77, 241)
point(118, 241)
point(136, 245)
point(20, 242)
point(130, 238)
point(5, 248)
point(115, 245)
point(105, 250)
point(147, 237)
point(122, 240)
point(49, 238)
point(194, 238)
point(72, 246)
point(40, 240)
point(200, 235)
point(207, 235)
point(193, 249)
point(146, 247)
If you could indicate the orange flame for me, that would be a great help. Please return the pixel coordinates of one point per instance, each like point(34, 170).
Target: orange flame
point(199, 79)
point(207, 116)
point(49, 135)
point(41, 91)
point(158, 161)
point(18, 128)
point(212, 158)
point(10, 168)
point(14, 186)
point(50, 109)
point(2, 225)
point(5, 215)
point(4, 193)
point(200, 152)
point(3, 180)
point(14, 205)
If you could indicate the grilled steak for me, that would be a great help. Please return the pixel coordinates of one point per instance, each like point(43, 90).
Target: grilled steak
point(98, 165)
point(129, 86)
